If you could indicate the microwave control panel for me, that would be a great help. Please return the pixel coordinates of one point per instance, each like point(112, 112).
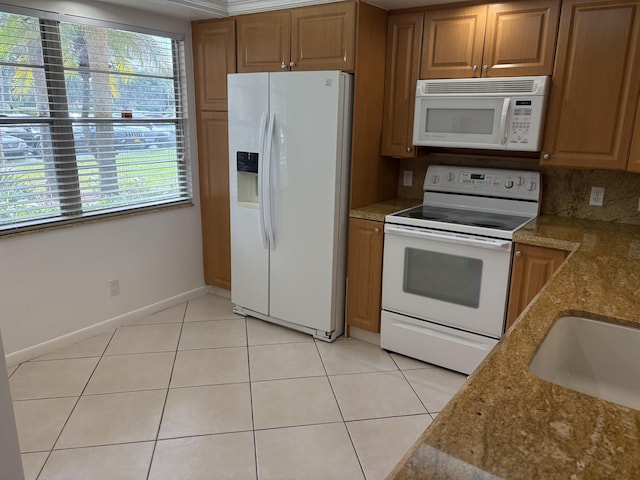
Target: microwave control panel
point(521, 121)
point(523, 128)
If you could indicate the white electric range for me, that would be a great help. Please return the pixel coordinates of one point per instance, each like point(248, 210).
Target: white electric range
point(447, 264)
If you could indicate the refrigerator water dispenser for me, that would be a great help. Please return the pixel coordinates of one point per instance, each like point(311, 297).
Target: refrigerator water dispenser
point(247, 167)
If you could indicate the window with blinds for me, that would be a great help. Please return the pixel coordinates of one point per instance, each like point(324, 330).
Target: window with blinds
point(92, 121)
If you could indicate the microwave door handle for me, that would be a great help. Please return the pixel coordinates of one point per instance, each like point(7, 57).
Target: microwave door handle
point(503, 120)
point(491, 244)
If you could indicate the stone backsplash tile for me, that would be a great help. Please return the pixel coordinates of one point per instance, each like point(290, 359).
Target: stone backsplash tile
point(565, 192)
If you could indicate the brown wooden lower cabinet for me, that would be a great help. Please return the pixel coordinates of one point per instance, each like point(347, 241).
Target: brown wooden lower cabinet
point(364, 274)
point(532, 268)
point(213, 153)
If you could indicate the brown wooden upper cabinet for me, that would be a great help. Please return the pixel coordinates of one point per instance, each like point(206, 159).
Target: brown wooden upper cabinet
point(594, 89)
point(264, 41)
point(404, 38)
point(497, 40)
point(214, 51)
point(308, 38)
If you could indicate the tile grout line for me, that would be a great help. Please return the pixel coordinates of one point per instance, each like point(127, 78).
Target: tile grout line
point(416, 394)
point(75, 405)
point(85, 447)
point(427, 366)
point(166, 397)
point(411, 385)
point(341, 420)
point(344, 423)
point(253, 420)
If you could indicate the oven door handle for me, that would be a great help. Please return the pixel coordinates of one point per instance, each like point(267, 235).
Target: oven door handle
point(425, 234)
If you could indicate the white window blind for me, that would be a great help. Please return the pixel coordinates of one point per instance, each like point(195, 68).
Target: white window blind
point(91, 121)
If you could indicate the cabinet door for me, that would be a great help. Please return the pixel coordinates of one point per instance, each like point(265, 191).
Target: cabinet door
point(452, 43)
point(364, 274)
point(323, 37)
point(264, 42)
point(634, 156)
point(595, 84)
point(404, 38)
point(214, 55)
point(520, 38)
point(532, 268)
point(373, 177)
point(213, 155)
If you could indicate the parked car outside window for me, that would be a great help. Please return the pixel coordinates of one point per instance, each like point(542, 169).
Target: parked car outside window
point(127, 137)
point(13, 147)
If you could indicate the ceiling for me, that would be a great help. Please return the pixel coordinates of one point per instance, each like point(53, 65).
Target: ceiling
point(201, 9)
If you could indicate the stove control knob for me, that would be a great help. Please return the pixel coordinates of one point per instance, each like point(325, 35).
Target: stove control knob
point(435, 179)
point(520, 181)
point(452, 176)
point(531, 186)
point(508, 183)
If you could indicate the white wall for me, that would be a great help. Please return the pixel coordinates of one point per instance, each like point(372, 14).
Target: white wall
point(54, 283)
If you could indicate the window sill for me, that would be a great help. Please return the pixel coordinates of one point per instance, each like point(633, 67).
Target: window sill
point(56, 225)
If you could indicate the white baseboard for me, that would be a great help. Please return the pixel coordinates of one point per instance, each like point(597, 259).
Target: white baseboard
point(221, 292)
point(364, 335)
point(76, 336)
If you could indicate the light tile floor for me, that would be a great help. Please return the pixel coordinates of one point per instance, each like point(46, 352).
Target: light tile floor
point(197, 392)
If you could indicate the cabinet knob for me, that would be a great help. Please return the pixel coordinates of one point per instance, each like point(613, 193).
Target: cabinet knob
point(292, 64)
point(546, 156)
point(283, 66)
point(376, 230)
point(474, 68)
point(408, 149)
point(518, 253)
point(485, 68)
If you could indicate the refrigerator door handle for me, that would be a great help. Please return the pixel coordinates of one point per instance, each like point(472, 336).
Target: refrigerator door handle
point(261, 168)
point(268, 181)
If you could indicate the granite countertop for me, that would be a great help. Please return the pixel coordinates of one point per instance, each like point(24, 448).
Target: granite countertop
point(377, 211)
point(507, 423)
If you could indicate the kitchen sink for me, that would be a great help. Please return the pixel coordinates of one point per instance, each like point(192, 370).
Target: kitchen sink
point(590, 356)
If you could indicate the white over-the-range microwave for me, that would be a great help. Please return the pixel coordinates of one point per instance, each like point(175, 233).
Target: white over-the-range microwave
point(484, 113)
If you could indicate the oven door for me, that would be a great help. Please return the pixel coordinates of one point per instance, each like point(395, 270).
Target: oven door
point(447, 278)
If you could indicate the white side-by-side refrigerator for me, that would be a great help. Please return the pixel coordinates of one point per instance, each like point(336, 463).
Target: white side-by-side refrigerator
point(289, 152)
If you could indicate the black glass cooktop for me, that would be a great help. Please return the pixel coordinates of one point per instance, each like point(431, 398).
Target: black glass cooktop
point(497, 221)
